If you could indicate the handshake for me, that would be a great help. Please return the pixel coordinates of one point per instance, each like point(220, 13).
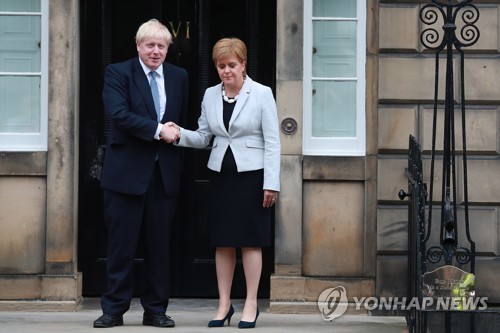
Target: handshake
point(170, 132)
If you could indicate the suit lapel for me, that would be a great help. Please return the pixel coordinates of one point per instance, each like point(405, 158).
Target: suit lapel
point(142, 83)
point(170, 89)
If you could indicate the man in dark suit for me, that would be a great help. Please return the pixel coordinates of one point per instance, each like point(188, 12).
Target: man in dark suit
point(141, 173)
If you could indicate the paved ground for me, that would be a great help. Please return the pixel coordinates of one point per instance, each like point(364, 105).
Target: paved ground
point(192, 315)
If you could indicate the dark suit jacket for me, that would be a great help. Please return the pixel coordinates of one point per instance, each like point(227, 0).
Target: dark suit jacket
point(131, 149)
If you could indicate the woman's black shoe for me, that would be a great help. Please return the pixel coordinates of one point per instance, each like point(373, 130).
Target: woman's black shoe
point(249, 324)
point(220, 322)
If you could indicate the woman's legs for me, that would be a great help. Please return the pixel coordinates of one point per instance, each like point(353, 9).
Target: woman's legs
point(252, 264)
point(225, 261)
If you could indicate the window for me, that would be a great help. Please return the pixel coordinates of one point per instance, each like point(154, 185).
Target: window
point(23, 75)
point(334, 77)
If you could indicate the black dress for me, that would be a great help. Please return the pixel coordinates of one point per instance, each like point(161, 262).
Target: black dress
point(236, 215)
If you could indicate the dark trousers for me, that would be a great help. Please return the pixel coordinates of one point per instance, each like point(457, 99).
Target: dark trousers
point(127, 218)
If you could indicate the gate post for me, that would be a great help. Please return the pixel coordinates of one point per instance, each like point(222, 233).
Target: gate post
point(449, 252)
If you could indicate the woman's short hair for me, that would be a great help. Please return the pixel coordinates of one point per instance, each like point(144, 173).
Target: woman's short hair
point(228, 47)
point(153, 28)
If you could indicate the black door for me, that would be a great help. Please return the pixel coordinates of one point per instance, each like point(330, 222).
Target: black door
point(108, 29)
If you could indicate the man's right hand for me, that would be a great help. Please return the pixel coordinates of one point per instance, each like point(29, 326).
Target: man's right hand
point(170, 132)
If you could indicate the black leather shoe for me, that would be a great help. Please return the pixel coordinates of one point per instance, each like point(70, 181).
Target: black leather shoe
point(157, 320)
point(107, 321)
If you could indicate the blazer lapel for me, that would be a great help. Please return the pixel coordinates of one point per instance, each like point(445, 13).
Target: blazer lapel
point(144, 89)
point(219, 107)
point(242, 98)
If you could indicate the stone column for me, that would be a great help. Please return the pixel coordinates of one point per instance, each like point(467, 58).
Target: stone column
point(38, 190)
point(286, 283)
point(61, 280)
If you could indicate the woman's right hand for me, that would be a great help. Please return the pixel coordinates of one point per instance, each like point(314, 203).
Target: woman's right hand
point(270, 198)
point(170, 132)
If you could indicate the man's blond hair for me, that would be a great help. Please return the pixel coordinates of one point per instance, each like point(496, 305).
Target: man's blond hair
point(153, 28)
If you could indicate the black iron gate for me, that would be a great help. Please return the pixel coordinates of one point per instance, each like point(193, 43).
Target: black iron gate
point(450, 14)
point(417, 193)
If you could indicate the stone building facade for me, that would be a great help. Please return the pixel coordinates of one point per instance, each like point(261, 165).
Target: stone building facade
point(38, 191)
point(339, 220)
point(342, 221)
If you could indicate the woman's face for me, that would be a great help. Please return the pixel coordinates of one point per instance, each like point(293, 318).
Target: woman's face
point(231, 71)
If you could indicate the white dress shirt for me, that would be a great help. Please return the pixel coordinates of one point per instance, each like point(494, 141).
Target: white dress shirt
point(160, 81)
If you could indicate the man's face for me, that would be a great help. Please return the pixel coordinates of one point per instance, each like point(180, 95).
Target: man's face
point(152, 51)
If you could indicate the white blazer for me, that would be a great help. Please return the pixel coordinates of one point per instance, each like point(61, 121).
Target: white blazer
point(253, 133)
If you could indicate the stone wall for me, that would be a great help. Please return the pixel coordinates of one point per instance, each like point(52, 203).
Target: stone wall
point(38, 191)
point(406, 84)
point(339, 220)
point(326, 215)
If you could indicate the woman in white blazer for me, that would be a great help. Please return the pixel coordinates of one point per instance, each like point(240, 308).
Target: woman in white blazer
point(241, 117)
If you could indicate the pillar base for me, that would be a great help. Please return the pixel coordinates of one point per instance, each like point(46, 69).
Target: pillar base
point(40, 306)
point(299, 294)
point(40, 292)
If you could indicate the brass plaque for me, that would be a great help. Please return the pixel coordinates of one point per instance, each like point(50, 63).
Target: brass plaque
point(449, 283)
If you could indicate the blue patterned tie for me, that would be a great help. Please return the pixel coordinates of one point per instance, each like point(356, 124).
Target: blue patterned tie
point(156, 94)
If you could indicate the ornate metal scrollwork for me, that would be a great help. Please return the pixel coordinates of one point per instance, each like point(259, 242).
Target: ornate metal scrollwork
point(436, 253)
point(469, 32)
point(449, 12)
point(430, 36)
point(463, 255)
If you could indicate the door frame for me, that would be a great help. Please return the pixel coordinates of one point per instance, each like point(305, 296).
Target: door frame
point(98, 43)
